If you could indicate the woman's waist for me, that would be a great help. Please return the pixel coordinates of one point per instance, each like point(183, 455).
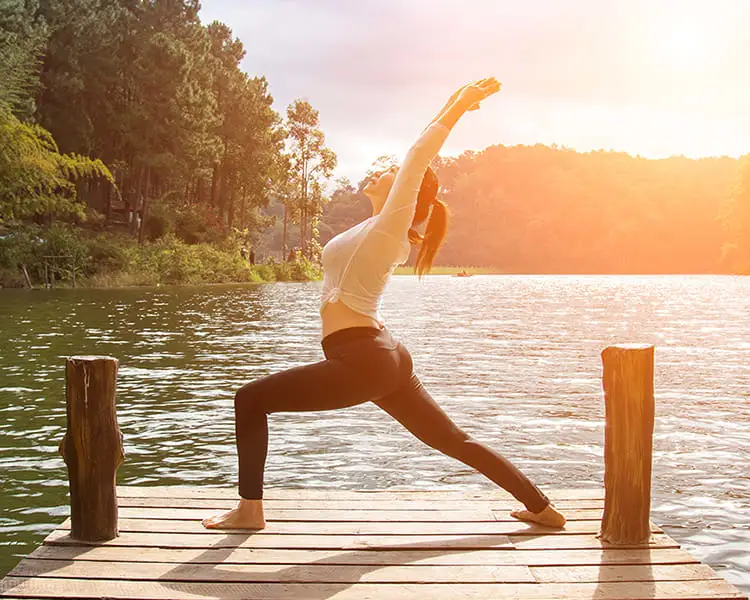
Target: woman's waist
point(360, 337)
point(337, 316)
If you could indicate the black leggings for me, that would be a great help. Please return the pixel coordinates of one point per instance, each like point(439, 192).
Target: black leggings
point(363, 364)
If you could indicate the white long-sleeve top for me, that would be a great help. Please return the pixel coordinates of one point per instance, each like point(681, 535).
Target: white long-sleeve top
point(358, 262)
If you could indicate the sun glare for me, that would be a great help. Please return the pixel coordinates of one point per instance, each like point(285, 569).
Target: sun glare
point(684, 46)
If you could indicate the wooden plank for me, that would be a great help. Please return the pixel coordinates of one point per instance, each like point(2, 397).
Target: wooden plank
point(336, 494)
point(408, 528)
point(367, 557)
point(303, 514)
point(437, 504)
point(20, 587)
point(587, 574)
point(312, 573)
point(329, 573)
point(354, 514)
point(559, 542)
point(354, 542)
point(323, 542)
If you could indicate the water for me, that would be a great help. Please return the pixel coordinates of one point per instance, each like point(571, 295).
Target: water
point(514, 359)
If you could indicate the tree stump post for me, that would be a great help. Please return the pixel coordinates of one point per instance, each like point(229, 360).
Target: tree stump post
point(628, 379)
point(92, 446)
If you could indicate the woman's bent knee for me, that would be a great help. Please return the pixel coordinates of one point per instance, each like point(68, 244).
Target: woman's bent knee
point(249, 398)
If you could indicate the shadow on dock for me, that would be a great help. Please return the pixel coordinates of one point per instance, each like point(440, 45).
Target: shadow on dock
point(299, 574)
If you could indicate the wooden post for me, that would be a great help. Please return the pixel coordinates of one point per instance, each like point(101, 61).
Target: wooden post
point(628, 379)
point(92, 446)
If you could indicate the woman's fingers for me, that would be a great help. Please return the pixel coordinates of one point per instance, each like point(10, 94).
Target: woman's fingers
point(491, 87)
point(490, 82)
point(480, 89)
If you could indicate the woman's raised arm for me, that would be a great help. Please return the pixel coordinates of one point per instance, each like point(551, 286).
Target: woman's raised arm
point(395, 215)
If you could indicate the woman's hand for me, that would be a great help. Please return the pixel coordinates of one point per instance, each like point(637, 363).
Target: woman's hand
point(472, 94)
point(466, 98)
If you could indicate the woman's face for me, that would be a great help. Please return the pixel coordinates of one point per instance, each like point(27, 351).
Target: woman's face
point(380, 182)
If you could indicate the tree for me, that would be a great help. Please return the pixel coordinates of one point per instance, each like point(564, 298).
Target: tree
point(23, 34)
point(736, 220)
point(347, 207)
point(311, 163)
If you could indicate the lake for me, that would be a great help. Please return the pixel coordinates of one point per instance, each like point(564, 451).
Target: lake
point(515, 360)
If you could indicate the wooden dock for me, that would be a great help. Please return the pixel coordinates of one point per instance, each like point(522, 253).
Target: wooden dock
point(358, 545)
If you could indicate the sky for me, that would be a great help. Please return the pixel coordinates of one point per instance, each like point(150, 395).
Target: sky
point(653, 78)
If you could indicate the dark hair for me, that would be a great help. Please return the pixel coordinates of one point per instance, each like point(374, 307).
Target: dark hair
point(437, 224)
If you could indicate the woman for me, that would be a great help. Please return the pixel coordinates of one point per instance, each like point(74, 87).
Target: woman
point(363, 362)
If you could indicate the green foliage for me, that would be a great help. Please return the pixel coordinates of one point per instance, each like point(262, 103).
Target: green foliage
point(266, 271)
point(105, 259)
point(110, 253)
point(35, 178)
point(303, 269)
point(18, 247)
point(22, 37)
point(58, 248)
point(63, 240)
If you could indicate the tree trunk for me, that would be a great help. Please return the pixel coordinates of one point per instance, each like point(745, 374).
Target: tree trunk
point(215, 184)
point(144, 207)
point(135, 209)
point(108, 204)
point(243, 198)
point(628, 379)
point(230, 209)
point(92, 446)
point(283, 239)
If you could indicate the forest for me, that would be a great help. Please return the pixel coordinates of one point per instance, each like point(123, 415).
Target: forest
point(135, 150)
point(539, 209)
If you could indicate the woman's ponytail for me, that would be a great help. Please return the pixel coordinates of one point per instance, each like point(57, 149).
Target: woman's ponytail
point(437, 225)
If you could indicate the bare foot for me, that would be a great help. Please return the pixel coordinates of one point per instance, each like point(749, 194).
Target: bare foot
point(247, 515)
point(549, 517)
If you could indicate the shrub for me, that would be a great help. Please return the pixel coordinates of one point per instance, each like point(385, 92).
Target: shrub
point(107, 259)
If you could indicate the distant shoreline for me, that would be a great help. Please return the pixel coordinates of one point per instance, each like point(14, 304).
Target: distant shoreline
point(123, 283)
point(451, 270)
